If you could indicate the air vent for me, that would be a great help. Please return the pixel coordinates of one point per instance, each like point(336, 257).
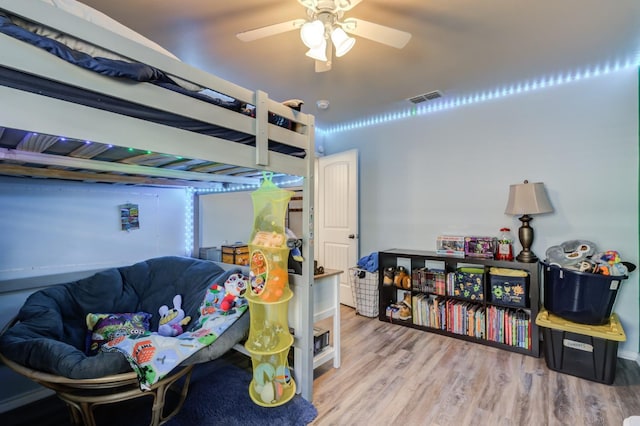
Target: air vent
point(426, 97)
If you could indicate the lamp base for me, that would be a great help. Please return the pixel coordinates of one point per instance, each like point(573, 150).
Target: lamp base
point(525, 233)
point(527, 257)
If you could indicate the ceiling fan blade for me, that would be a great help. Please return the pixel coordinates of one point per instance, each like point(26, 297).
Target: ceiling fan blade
point(309, 4)
point(378, 33)
point(270, 30)
point(345, 5)
point(341, 5)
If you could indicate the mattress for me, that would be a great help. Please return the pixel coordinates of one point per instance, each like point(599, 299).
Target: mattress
point(119, 69)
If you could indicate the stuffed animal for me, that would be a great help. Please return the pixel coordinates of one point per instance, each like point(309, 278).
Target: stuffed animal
point(294, 244)
point(268, 239)
point(581, 255)
point(212, 299)
point(609, 263)
point(235, 287)
point(225, 297)
point(277, 281)
point(570, 254)
point(172, 320)
point(587, 265)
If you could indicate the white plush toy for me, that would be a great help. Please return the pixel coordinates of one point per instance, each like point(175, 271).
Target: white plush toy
point(172, 320)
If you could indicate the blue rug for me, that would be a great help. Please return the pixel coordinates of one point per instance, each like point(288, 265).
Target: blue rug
point(219, 395)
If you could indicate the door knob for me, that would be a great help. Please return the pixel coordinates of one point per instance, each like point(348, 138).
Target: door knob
point(352, 236)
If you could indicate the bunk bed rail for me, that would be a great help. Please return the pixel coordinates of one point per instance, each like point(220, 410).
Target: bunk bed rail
point(34, 61)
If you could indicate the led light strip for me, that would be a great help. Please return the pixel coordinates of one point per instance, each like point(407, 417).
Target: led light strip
point(236, 188)
point(515, 89)
point(189, 220)
point(189, 207)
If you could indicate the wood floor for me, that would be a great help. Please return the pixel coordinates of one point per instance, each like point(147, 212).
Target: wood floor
point(393, 375)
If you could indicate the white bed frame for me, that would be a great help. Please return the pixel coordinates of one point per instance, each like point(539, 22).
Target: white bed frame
point(56, 117)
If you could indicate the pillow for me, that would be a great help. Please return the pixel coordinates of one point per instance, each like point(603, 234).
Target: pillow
point(92, 15)
point(102, 328)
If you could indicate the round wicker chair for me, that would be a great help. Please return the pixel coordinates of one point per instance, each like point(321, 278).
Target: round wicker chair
point(83, 395)
point(45, 342)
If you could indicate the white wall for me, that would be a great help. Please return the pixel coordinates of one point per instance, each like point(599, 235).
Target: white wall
point(450, 171)
point(59, 228)
point(54, 227)
point(225, 218)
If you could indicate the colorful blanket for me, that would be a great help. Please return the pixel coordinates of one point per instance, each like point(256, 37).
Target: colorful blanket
point(152, 356)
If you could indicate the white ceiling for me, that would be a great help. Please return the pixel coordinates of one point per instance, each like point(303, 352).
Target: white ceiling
point(459, 47)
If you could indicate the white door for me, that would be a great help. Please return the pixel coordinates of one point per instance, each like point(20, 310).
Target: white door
point(337, 215)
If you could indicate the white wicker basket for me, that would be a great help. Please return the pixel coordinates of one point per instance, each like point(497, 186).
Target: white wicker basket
point(364, 288)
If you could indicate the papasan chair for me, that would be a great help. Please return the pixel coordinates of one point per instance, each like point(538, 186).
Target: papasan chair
point(47, 341)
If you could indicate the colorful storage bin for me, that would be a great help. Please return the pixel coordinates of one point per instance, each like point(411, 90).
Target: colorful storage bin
point(509, 287)
point(469, 284)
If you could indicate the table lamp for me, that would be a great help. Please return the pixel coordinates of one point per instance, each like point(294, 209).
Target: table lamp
point(527, 199)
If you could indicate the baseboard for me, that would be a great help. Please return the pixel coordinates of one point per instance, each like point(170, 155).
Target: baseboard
point(24, 399)
point(631, 356)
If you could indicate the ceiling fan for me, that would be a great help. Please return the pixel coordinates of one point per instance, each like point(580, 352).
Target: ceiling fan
point(325, 22)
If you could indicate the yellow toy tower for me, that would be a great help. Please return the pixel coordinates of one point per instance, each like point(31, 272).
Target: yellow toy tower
point(269, 337)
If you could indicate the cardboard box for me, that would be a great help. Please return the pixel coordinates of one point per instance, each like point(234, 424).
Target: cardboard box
point(586, 351)
point(210, 253)
point(237, 254)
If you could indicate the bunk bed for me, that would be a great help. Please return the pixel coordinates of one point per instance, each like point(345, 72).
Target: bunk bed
point(63, 121)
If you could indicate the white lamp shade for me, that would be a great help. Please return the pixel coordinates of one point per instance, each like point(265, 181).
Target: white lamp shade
point(528, 198)
point(312, 34)
point(342, 42)
point(320, 52)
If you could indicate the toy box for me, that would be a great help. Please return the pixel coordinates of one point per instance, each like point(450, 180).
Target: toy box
point(237, 254)
point(450, 245)
point(509, 287)
point(586, 351)
point(582, 297)
point(483, 247)
point(469, 284)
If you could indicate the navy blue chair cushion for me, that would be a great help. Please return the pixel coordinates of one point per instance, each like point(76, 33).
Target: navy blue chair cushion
point(50, 330)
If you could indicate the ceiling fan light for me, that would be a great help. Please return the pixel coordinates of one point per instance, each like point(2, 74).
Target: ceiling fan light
point(342, 41)
point(319, 53)
point(312, 33)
